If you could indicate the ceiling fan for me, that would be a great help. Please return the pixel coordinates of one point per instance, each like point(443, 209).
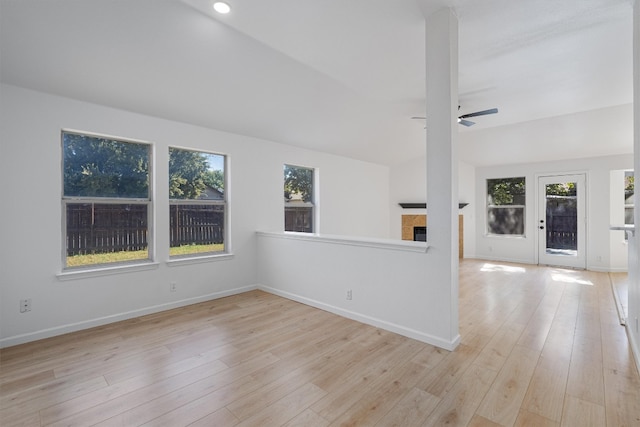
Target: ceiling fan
point(463, 118)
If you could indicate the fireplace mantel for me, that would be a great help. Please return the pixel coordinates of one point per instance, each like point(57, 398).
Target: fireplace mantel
point(406, 205)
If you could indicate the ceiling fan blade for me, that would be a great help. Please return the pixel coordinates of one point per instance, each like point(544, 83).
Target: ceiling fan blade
point(466, 123)
point(479, 113)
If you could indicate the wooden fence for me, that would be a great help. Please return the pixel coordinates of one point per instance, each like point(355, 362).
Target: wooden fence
point(102, 228)
point(562, 230)
point(298, 219)
point(196, 224)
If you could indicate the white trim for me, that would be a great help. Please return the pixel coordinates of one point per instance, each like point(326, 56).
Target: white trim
point(503, 259)
point(194, 259)
point(382, 324)
point(369, 242)
point(634, 344)
point(97, 271)
point(74, 327)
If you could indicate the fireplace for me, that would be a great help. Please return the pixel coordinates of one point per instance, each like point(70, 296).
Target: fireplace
point(419, 234)
point(411, 222)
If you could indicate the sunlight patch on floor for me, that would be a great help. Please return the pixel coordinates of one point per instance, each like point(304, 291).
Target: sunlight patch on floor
point(568, 278)
point(503, 268)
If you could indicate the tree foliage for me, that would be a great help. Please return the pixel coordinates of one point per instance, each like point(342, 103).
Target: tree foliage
point(214, 179)
point(187, 170)
point(629, 182)
point(298, 181)
point(101, 167)
point(506, 191)
point(562, 189)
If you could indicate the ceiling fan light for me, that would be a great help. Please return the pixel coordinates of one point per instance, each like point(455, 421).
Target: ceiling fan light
point(221, 7)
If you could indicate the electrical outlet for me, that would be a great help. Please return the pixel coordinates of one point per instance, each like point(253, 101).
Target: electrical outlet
point(25, 305)
point(173, 287)
point(349, 294)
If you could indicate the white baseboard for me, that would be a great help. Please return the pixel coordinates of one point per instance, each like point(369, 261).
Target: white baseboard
point(635, 349)
point(500, 259)
point(617, 270)
point(379, 323)
point(74, 327)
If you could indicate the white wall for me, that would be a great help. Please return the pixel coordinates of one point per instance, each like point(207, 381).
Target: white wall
point(524, 249)
point(408, 183)
point(353, 200)
point(391, 282)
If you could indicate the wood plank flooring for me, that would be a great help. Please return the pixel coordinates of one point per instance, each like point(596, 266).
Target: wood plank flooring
point(540, 347)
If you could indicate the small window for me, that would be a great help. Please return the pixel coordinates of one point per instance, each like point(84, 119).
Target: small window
point(506, 206)
point(106, 200)
point(298, 199)
point(197, 205)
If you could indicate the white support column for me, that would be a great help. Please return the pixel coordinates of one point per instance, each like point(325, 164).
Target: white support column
point(442, 156)
point(634, 261)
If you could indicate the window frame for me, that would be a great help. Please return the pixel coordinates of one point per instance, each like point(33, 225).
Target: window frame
point(198, 202)
point(313, 201)
point(69, 200)
point(489, 206)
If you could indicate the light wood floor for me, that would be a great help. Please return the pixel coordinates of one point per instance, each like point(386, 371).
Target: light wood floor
point(540, 347)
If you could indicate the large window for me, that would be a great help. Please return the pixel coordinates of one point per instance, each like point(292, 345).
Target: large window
point(197, 205)
point(298, 199)
point(506, 206)
point(106, 200)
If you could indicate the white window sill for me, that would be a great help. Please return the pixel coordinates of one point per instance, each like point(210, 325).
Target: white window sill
point(82, 273)
point(186, 260)
point(505, 236)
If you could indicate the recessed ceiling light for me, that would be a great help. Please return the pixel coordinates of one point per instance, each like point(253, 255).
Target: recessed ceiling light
point(221, 7)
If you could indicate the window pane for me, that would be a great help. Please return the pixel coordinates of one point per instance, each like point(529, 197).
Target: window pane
point(506, 191)
point(195, 175)
point(106, 233)
point(101, 167)
point(298, 219)
point(196, 229)
point(505, 206)
point(506, 221)
point(298, 197)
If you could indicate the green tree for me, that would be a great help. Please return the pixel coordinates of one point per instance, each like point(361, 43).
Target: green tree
point(101, 167)
point(629, 183)
point(214, 179)
point(563, 189)
point(298, 180)
point(187, 173)
point(505, 191)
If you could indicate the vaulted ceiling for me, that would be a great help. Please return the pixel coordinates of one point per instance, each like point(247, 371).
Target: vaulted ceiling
point(340, 76)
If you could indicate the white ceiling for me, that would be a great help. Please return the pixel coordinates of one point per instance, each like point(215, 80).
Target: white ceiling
point(341, 76)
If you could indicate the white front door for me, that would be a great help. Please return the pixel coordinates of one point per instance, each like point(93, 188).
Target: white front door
point(561, 220)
